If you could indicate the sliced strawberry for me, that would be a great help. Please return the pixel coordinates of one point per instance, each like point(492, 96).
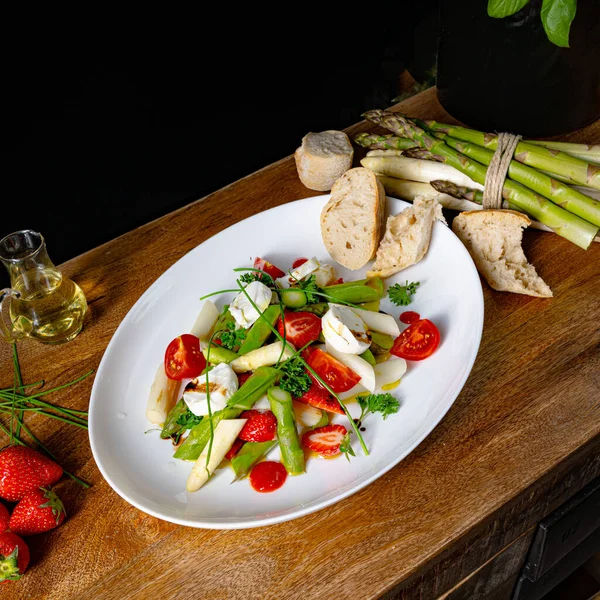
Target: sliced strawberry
point(261, 426)
point(319, 397)
point(337, 281)
point(234, 449)
point(242, 378)
point(325, 440)
point(268, 268)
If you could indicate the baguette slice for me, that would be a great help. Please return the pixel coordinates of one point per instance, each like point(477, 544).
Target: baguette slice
point(352, 221)
point(322, 158)
point(493, 239)
point(406, 238)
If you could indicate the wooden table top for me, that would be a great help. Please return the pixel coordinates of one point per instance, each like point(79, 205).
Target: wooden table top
point(523, 435)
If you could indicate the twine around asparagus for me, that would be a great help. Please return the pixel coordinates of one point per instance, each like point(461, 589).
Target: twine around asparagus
point(497, 170)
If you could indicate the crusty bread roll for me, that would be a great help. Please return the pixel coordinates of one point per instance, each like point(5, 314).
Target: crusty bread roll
point(406, 238)
point(323, 158)
point(493, 239)
point(352, 221)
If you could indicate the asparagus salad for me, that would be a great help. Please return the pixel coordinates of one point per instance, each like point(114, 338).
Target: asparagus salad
point(278, 367)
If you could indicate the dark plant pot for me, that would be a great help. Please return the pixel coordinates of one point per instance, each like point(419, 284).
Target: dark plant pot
point(505, 75)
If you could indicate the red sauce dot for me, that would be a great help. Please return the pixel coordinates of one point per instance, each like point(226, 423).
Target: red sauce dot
point(409, 317)
point(268, 476)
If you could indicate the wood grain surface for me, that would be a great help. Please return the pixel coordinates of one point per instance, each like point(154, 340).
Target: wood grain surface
point(522, 437)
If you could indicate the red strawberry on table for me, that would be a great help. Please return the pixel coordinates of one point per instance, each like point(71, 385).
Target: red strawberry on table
point(37, 512)
point(326, 440)
point(4, 517)
point(261, 426)
point(23, 470)
point(14, 557)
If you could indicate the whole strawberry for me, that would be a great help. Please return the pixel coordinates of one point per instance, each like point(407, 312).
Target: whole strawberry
point(37, 512)
point(23, 470)
point(4, 517)
point(14, 557)
point(261, 426)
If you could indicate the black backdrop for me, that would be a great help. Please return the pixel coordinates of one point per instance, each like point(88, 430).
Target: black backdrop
point(118, 121)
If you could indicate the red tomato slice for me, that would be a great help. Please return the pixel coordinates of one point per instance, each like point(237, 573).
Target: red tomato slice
point(417, 341)
point(336, 374)
point(300, 327)
point(184, 358)
point(298, 262)
point(268, 268)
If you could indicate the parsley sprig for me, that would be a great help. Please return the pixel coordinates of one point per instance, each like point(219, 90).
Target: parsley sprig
point(401, 295)
point(231, 337)
point(188, 420)
point(295, 379)
point(385, 404)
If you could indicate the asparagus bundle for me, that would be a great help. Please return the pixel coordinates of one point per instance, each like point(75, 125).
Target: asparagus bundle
point(539, 157)
point(557, 218)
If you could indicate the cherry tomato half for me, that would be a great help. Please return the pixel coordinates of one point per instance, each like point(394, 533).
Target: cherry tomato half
point(335, 374)
point(268, 268)
point(298, 262)
point(417, 341)
point(184, 358)
point(300, 328)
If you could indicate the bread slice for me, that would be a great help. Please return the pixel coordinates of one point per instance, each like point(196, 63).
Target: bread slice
point(406, 238)
point(323, 158)
point(352, 221)
point(493, 239)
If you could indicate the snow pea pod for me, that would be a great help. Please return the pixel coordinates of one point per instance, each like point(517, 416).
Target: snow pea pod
point(249, 455)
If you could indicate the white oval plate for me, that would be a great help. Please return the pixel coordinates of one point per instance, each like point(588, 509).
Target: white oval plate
point(140, 466)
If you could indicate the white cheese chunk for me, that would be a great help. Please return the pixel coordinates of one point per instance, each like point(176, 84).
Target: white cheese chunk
point(222, 383)
point(344, 330)
point(304, 270)
point(324, 275)
point(242, 310)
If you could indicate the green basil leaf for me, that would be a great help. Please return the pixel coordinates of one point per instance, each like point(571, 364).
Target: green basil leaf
point(504, 8)
point(557, 16)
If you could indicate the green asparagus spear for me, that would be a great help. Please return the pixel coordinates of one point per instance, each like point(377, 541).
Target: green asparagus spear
point(250, 453)
point(368, 356)
point(561, 221)
point(260, 331)
point(255, 387)
point(587, 152)
point(545, 159)
point(381, 343)
point(319, 308)
point(292, 454)
point(383, 142)
point(218, 354)
point(355, 292)
point(171, 427)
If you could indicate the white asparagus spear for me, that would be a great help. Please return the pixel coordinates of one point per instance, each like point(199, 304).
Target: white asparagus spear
point(225, 434)
point(416, 169)
point(261, 357)
point(205, 321)
point(162, 397)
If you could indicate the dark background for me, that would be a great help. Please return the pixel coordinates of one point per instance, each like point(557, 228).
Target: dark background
point(118, 121)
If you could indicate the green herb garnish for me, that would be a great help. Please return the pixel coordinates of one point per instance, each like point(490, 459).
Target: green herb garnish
point(231, 337)
point(346, 448)
point(295, 379)
point(188, 420)
point(310, 288)
point(401, 295)
point(385, 404)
